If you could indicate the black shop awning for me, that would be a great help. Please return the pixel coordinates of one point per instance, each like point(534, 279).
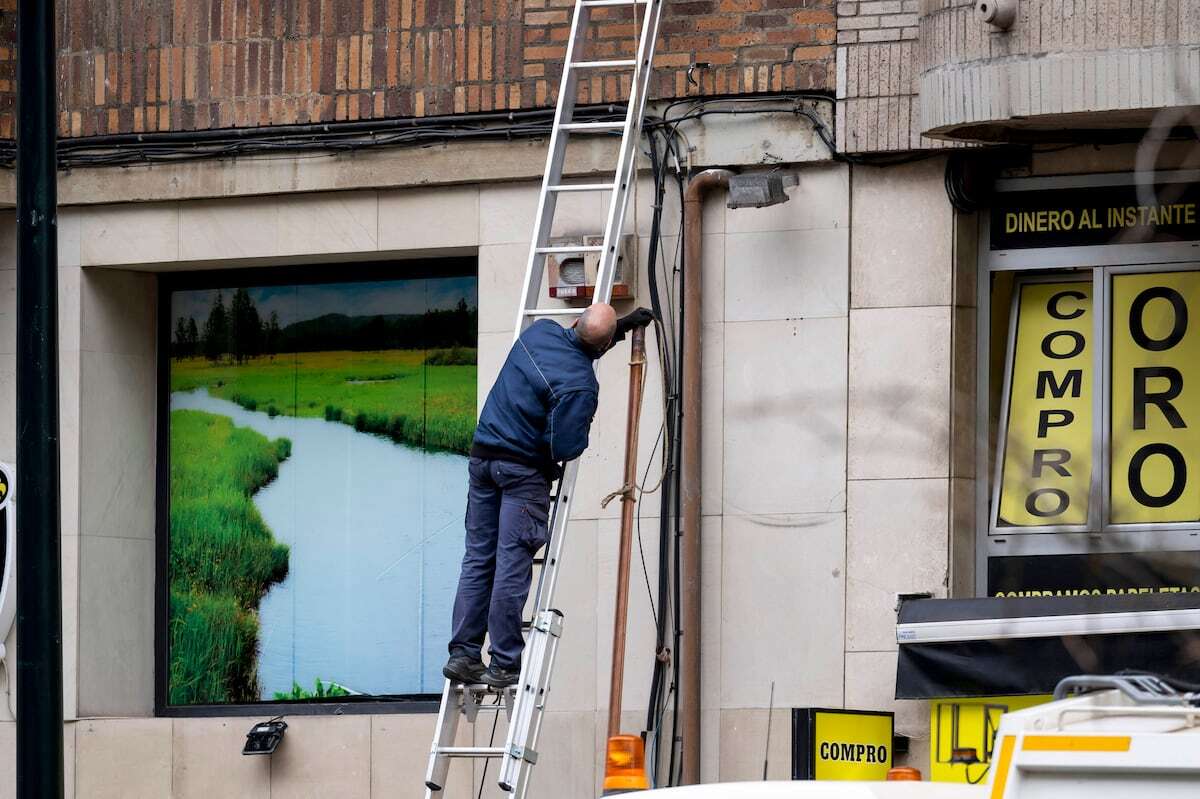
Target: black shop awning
point(1016, 646)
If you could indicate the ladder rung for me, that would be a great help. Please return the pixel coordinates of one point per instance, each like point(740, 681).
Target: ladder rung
point(613, 64)
point(471, 751)
point(479, 688)
point(554, 311)
point(571, 248)
point(589, 126)
point(602, 3)
point(491, 706)
point(580, 187)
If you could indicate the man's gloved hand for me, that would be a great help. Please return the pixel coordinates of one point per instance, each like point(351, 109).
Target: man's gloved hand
point(639, 317)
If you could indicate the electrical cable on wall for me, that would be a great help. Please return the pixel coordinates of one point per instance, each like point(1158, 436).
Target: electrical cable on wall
point(665, 302)
point(323, 139)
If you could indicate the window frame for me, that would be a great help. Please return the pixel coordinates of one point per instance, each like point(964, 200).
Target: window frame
point(1048, 264)
point(309, 274)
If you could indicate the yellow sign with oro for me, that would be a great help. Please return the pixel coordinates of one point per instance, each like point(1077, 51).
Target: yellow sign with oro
point(1155, 441)
point(1047, 464)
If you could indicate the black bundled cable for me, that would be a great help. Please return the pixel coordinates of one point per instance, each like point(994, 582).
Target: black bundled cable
point(654, 705)
point(656, 306)
point(967, 180)
point(676, 516)
point(663, 682)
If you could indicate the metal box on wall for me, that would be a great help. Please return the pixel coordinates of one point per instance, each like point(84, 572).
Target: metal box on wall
point(572, 276)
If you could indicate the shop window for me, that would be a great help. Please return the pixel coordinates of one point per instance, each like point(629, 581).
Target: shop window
point(1143, 342)
point(313, 439)
point(1089, 397)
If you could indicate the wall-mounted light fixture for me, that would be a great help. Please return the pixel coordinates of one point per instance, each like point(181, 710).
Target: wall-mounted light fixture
point(264, 737)
point(756, 190)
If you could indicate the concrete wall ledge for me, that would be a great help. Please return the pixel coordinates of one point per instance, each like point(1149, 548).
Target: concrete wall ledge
point(1112, 67)
point(1027, 98)
point(748, 139)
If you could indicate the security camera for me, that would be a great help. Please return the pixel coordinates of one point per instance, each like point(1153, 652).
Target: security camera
point(997, 13)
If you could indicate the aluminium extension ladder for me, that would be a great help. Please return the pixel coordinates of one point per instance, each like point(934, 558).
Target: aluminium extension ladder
point(526, 701)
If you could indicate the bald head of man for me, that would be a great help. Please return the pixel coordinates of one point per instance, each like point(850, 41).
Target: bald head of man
point(596, 326)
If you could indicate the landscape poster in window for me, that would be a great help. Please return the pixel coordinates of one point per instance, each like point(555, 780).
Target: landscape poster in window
point(318, 439)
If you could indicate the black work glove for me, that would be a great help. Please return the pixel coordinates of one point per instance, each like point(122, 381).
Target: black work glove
point(639, 317)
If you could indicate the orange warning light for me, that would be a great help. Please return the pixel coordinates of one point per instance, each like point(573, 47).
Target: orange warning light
point(625, 765)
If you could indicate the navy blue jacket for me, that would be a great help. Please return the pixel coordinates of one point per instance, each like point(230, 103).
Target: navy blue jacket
point(540, 409)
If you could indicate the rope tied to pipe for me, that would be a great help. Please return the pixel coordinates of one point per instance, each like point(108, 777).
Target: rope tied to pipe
point(629, 490)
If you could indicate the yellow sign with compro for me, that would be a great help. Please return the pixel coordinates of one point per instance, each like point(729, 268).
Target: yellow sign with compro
point(1047, 462)
point(841, 744)
point(962, 734)
point(1155, 369)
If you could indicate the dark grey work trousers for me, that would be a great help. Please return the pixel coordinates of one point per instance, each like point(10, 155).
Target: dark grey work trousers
point(507, 508)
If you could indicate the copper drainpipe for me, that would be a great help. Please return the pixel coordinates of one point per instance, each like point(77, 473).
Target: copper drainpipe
point(689, 671)
point(637, 367)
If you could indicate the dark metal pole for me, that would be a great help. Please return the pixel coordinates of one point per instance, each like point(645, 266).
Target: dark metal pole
point(38, 569)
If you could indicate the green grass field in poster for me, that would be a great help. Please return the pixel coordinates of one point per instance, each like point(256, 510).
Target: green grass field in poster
point(223, 557)
point(407, 395)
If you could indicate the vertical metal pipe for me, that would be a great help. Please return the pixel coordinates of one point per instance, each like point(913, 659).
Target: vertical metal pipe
point(637, 368)
point(38, 569)
point(689, 472)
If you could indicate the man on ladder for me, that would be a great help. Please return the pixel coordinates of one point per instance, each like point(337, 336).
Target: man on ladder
point(537, 415)
point(520, 425)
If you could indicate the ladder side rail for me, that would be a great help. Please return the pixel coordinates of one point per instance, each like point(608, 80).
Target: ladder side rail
point(516, 775)
point(627, 160)
point(447, 728)
point(534, 733)
point(520, 744)
point(523, 713)
point(548, 580)
point(547, 200)
point(561, 510)
point(526, 711)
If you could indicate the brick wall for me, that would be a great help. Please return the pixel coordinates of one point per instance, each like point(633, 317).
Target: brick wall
point(877, 76)
point(155, 65)
point(8, 66)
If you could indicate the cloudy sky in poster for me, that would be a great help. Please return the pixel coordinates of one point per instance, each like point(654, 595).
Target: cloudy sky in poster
point(298, 303)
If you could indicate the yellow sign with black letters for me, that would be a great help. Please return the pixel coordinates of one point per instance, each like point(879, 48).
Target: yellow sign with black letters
point(1155, 385)
point(1047, 465)
point(962, 734)
point(1154, 371)
point(841, 744)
